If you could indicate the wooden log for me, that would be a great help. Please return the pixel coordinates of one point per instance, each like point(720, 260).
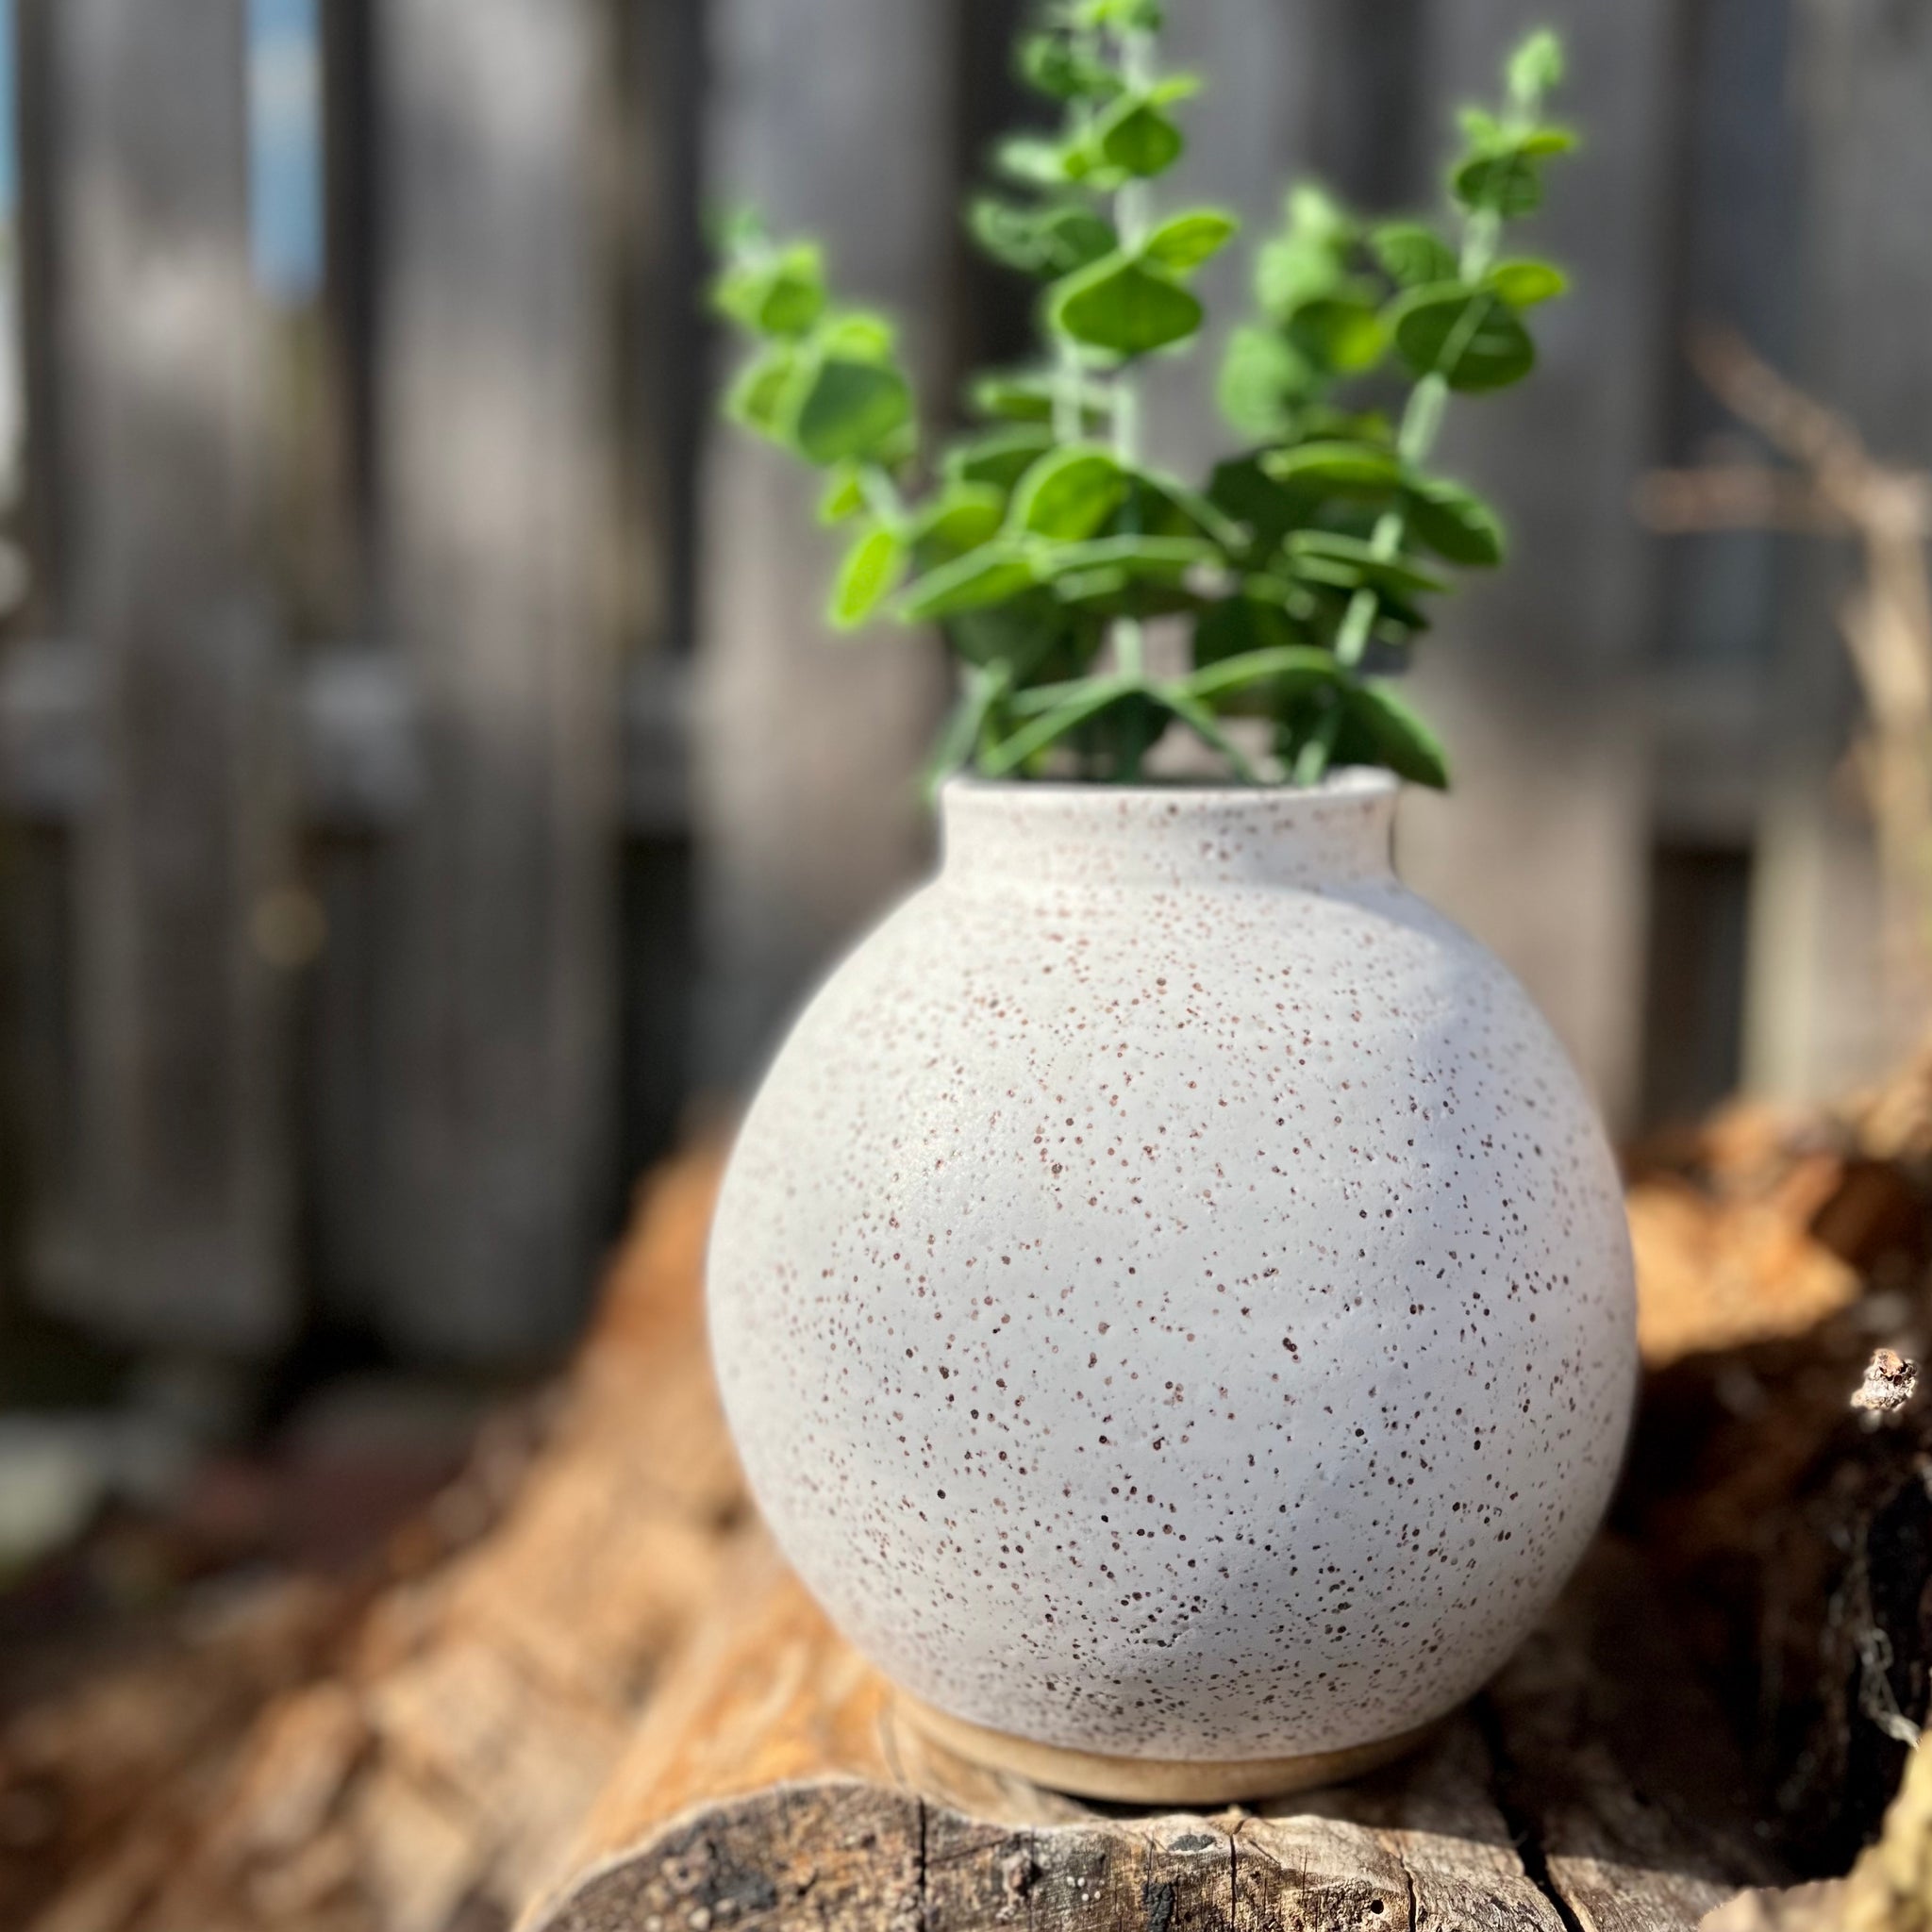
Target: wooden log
point(416, 1750)
point(776, 1777)
point(1791, 1532)
point(588, 1681)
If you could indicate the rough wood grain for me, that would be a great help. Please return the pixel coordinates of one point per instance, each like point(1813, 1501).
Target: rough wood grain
point(774, 1779)
point(1463, 1834)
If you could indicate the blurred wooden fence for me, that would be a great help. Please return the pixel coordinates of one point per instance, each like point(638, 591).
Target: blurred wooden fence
point(354, 959)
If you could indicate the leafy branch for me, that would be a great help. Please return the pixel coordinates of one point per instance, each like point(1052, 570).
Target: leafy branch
point(1044, 544)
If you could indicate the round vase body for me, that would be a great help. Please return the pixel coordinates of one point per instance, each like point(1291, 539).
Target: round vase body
point(1171, 1293)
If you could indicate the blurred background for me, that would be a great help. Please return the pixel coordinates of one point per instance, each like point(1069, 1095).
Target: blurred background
point(425, 784)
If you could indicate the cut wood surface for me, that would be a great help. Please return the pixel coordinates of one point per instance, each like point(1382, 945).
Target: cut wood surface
point(587, 1696)
point(776, 1781)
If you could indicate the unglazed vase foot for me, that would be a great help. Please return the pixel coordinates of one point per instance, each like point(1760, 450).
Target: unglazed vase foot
point(1155, 1780)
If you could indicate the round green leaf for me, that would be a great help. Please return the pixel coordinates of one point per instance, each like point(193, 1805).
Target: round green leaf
point(1510, 183)
point(866, 577)
point(1184, 241)
point(1048, 241)
point(1026, 158)
point(1051, 63)
point(1075, 237)
point(849, 409)
point(1401, 740)
point(1342, 333)
point(781, 294)
point(1354, 469)
point(1536, 68)
point(1469, 337)
point(1263, 379)
point(1162, 505)
point(1018, 398)
point(1135, 137)
point(1453, 521)
point(1277, 665)
point(1523, 284)
point(990, 574)
point(1412, 254)
point(1092, 586)
point(857, 335)
point(844, 495)
point(1068, 493)
point(1125, 307)
point(1001, 458)
point(1085, 701)
point(1139, 555)
point(1348, 563)
point(757, 398)
point(1029, 396)
point(1011, 235)
point(1237, 626)
point(963, 518)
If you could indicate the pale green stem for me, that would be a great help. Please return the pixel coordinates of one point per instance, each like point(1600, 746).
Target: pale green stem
point(1069, 380)
point(1130, 224)
point(1311, 762)
point(881, 494)
point(1422, 423)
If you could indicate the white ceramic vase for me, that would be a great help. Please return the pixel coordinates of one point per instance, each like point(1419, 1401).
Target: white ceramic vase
point(1172, 1293)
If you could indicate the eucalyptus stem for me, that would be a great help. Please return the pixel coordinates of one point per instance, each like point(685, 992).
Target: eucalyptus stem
point(1069, 380)
point(1422, 423)
point(881, 494)
point(1043, 540)
point(1311, 760)
point(1130, 224)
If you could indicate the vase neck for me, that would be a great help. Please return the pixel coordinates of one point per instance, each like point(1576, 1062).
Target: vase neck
point(1333, 834)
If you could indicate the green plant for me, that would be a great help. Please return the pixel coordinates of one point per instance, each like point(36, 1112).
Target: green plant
point(1044, 542)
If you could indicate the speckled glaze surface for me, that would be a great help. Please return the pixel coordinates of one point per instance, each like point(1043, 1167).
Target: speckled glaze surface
point(1171, 1293)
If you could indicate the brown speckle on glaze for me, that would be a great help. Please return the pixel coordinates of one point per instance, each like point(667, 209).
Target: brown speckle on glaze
point(1171, 1294)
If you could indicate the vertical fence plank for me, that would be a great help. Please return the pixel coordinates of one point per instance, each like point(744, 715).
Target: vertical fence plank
point(1247, 135)
point(834, 116)
point(180, 1017)
point(496, 973)
point(1535, 678)
point(1818, 1015)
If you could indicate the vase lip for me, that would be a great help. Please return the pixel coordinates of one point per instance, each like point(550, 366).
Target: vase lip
point(1018, 831)
point(1364, 782)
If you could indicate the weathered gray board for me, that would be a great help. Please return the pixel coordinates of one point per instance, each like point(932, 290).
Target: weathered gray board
point(185, 1205)
point(469, 964)
point(1535, 677)
point(496, 946)
point(834, 116)
point(1862, 93)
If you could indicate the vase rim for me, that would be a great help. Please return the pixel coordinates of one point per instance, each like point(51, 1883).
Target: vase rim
point(1015, 831)
point(1350, 781)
